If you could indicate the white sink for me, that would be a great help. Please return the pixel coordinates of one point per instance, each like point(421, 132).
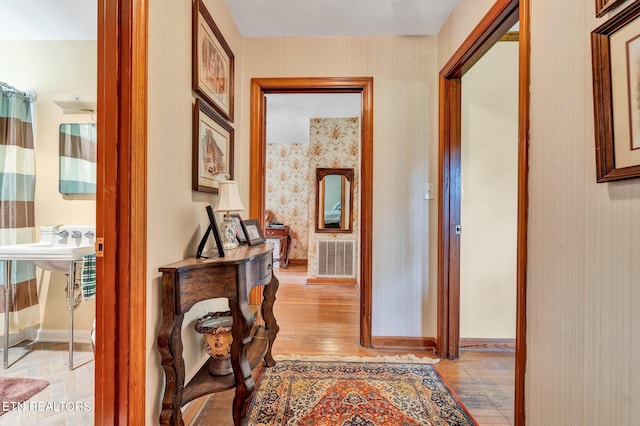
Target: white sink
point(54, 252)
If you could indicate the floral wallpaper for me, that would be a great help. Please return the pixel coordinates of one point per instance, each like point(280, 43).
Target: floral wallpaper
point(287, 192)
point(333, 143)
point(291, 175)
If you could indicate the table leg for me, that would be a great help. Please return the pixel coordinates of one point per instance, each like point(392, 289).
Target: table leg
point(269, 295)
point(242, 324)
point(7, 298)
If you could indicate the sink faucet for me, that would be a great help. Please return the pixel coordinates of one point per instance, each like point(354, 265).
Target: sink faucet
point(76, 234)
point(89, 234)
point(63, 234)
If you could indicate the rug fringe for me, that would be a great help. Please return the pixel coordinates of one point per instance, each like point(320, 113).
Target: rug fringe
point(408, 358)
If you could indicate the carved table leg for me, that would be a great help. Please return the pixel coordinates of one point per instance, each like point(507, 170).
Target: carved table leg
point(242, 324)
point(269, 295)
point(170, 347)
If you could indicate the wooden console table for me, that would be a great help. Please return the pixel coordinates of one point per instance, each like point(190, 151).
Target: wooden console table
point(187, 282)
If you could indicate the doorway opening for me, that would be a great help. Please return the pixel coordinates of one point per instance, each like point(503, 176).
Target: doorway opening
point(496, 23)
point(260, 88)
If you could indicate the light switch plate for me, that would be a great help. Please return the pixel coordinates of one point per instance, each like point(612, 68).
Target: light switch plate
point(429, 191)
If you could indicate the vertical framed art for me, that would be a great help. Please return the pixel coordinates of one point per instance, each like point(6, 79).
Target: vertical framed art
point(212, 148)
point(213, 62)
point(604, 6)
point(615, 48)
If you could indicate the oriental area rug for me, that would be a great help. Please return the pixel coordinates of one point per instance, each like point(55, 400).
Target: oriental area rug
point(354, 392)
point(14, 391)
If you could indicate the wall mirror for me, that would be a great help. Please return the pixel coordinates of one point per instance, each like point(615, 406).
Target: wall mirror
point(77, 158)
point(334, 200)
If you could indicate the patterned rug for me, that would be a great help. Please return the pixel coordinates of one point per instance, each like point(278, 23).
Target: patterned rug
point(354, 393)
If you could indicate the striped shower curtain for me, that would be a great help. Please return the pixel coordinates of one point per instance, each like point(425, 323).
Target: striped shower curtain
point(17, 190)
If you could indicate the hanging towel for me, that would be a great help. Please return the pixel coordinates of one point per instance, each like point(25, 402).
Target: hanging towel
point(88, 277)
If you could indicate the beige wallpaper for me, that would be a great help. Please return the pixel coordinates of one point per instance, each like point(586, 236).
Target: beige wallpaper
point(287, 195)
point(176, 215)
point(405, 132)
point(584, 246)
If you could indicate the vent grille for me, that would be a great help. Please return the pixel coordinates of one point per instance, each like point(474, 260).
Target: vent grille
point(336, 258)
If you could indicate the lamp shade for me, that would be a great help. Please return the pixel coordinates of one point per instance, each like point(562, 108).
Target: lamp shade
point(229, 197)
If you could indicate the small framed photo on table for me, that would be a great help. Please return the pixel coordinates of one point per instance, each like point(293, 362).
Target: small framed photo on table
point(251, 228)
point(237, 220)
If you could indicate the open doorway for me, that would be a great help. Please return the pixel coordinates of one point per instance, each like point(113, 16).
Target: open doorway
point(496, 23)
point(313, 183)
point(260, 89)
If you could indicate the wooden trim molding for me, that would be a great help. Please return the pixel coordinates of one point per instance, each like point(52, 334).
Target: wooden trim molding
point(298, 262)
point(497, 22)
point(364, 85)
point(524, 96)
point(511, 36)
point(409, 343)
point(332, 281)
point(488, 344)
point(121, 214)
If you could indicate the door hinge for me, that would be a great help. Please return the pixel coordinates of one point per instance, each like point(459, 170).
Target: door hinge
point(99, 246)
point(458, 229)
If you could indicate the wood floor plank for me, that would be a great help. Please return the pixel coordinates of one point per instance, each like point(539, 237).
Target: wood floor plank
point(324, 320)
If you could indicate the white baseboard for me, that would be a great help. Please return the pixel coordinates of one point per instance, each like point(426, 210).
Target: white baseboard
point(79, 336)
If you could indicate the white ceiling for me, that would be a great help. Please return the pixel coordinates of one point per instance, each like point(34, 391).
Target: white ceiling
point(77, 19)
point(317, 18)
point(288, 115)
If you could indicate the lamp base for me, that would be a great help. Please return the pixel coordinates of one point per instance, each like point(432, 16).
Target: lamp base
point(228, 230)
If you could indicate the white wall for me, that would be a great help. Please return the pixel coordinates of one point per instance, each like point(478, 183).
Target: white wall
point(176, 215)
point(584, 241)
point(52, 69)
point(489, 195)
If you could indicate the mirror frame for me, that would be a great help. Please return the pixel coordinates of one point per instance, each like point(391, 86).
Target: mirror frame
point(320, 174)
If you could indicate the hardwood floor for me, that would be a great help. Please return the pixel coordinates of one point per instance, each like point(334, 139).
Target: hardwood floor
point(324, 320)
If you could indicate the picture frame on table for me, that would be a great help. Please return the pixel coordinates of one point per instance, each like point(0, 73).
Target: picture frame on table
point(241, 237)
point(212, 62)
point(211, 229)
point(212, 148)
point(252, 231)
point(615, 49)
point(605, 6)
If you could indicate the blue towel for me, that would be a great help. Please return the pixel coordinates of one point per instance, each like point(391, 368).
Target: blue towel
point(88, 277)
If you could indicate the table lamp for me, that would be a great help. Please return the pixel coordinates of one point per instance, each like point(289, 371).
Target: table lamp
point(228, 201)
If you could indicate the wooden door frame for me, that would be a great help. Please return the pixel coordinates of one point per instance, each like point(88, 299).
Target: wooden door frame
point(497, 22)
point(364, 85)
point(121, 214)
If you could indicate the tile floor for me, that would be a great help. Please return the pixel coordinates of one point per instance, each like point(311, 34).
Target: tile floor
point(67, 389)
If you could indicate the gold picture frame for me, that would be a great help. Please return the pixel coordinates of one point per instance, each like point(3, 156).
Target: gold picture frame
point(212, 148)
point(213, 62)
point(615, 48)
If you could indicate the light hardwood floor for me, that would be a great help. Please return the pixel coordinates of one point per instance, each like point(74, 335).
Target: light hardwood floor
point(324, 320)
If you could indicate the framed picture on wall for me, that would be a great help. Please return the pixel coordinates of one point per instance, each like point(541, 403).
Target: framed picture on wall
point(616, 90)
point(212, 148)
point(213, 62)
point(605, 6)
